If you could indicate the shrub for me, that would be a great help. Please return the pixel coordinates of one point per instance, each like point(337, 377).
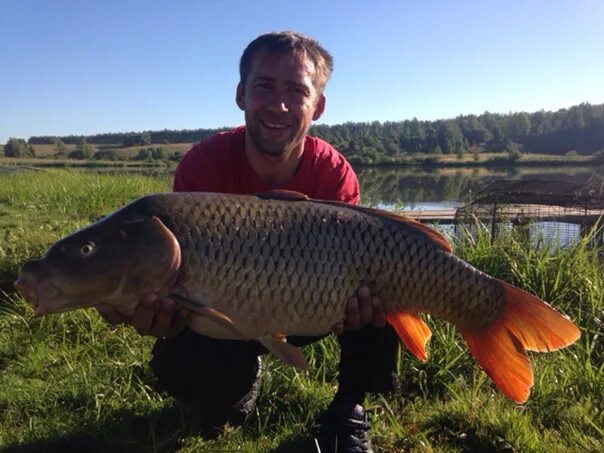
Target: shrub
point(60, 148)
point(17, 147)
point(107, 154)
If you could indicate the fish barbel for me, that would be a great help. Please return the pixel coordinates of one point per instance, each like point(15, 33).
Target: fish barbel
point(276, 264)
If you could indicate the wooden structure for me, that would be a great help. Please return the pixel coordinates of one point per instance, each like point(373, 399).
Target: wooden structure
point(542, 213)
point(559, 208)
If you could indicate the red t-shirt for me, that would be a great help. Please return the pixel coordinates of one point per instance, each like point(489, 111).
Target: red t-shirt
point(219, 164)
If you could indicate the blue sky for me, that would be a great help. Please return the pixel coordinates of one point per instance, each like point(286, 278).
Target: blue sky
point(79, 67)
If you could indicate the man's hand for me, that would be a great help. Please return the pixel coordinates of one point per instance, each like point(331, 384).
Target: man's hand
point(362, 309)
point(153, 316)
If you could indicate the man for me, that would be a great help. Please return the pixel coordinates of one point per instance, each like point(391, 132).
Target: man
point(282, 78)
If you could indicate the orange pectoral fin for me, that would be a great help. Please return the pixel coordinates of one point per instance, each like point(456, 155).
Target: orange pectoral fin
point(223, 320)
point(211, 313)
point(413, 332)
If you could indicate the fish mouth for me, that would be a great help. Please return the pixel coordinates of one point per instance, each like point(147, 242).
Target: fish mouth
point(40, 295)
point(28, 293)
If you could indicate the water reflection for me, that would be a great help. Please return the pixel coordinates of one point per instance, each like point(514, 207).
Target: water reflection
point(408, 188)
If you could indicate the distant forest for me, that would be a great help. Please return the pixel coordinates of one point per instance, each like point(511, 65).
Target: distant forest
point(578, 129)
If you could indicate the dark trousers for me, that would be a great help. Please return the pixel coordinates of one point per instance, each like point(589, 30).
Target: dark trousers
point(217, 374)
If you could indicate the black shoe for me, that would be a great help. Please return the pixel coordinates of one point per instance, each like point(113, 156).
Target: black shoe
point(345, 430)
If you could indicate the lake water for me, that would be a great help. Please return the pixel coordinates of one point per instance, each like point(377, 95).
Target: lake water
point(419, 189)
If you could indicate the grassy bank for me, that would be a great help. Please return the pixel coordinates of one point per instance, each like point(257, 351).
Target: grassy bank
point(71, 381)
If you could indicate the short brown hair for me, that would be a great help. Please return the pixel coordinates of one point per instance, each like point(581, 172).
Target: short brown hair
point(287, 42)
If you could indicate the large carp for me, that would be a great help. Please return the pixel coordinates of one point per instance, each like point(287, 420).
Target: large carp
point(271, 265)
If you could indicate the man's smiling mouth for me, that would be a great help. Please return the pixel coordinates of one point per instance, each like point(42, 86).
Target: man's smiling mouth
point(275, 125)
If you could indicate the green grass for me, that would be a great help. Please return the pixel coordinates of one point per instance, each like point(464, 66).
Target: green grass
point(71, 381)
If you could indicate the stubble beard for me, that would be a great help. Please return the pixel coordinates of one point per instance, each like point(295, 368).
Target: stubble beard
point(269, 147)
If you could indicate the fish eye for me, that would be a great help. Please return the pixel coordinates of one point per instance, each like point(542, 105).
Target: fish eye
point(87, 249)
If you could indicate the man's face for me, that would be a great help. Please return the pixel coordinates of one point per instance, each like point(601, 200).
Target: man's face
point(280, 101)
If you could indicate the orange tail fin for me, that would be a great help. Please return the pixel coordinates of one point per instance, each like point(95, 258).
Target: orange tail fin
point(527, 323)
point(413, 332)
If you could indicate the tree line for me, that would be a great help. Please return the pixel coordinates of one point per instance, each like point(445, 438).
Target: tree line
point(577, 129)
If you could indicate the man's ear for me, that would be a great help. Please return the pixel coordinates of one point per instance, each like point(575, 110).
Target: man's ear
point(240, 96)
point(320, 108)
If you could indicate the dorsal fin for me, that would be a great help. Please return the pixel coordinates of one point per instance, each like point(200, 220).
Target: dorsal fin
point(430, 233)
point(279, 194)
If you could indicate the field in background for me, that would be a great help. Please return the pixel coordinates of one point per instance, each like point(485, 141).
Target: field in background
point(49, 151)
point(72, 382)
point(128, 152)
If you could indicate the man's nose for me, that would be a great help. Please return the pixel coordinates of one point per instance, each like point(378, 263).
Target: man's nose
point(278, 103)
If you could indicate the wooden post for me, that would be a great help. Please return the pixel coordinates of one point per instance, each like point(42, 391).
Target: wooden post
point(587, 226)
point(494, 222)
point(522, 226)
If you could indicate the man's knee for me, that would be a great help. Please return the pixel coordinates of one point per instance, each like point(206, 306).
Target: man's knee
point(194, 368)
